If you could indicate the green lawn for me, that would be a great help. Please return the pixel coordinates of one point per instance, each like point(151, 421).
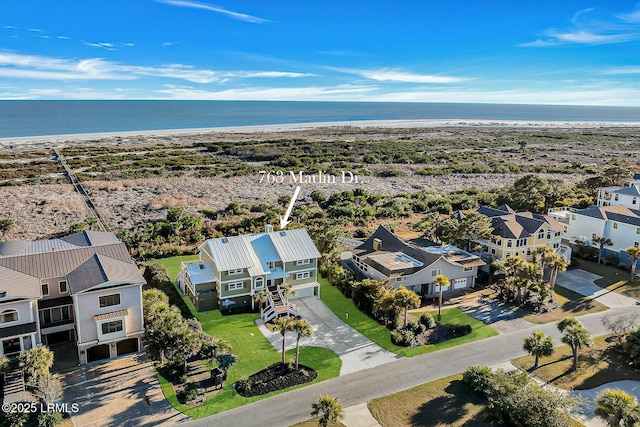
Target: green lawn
point(377, 333)
point(253, 350)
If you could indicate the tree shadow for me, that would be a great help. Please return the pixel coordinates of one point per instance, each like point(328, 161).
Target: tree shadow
point(451, 409)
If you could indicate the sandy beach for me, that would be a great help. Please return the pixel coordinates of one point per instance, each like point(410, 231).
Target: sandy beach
point(295, 127)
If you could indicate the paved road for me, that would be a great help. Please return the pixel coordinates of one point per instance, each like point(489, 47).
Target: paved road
point(359, 387)
point(356, 351)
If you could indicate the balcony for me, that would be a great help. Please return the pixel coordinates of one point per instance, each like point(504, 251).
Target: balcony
point(54, 323)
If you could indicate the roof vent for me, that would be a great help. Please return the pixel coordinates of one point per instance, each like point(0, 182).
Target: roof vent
point(201, 266)
point(377, 244)
point(283, 233)
point(268, 228)
point(3, 294)
point(224, 240)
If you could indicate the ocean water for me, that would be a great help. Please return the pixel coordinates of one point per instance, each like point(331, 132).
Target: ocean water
point(34, 118)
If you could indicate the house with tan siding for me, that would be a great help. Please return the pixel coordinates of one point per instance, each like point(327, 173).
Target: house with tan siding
point(81, 289)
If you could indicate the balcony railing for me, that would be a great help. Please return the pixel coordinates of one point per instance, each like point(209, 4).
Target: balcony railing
point(53, 323)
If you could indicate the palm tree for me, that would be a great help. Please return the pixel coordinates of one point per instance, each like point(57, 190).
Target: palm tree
point(287, 289)
point(538, 344)
point(634, 254)
point(406, 299)
point(302, 328)
point(261, 297)
point(283, 325)
point(328, 409)
point(557, 264)
point(441, 281)
point(602, 242)
point(91, 222)
point(617, 408)
point(544, 252)
point(575, 336)
point(35, 362)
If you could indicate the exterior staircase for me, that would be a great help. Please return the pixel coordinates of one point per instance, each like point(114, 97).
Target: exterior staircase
point(14, 387)
point(276, 306)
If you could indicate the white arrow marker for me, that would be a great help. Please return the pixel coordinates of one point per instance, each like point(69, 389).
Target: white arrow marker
point(285, 221)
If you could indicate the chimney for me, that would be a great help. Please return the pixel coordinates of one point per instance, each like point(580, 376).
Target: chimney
point(268, 228)
point(377, 244)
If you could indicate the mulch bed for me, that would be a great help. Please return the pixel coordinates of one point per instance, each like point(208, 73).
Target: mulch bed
point(277, 377)
point(437, 334)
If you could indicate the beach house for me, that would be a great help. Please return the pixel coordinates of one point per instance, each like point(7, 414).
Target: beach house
point(81, 289)
point(232, 270)
point(519, 233)
point(628, 195)
point(414, 264)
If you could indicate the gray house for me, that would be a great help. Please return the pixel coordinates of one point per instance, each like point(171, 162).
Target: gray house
point(414, 265)
point(80, 289)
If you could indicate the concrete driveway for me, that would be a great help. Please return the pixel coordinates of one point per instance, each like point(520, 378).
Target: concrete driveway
point(588, 417)
point(582, 282)
point(113, 393)
point(355, 350)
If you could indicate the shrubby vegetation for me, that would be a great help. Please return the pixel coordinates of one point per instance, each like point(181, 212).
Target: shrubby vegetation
point(515, 399)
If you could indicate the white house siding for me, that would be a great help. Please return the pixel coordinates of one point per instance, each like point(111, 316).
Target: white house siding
point(26, 314)
point(89, 334)
point(422, 281)
point(582, 226)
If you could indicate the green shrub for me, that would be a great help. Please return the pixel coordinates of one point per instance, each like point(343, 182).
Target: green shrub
point(427, 320)
point(188, 393)
point(402, 337)
point(478, 377)
point(243, 385)
point(415, 327)
point(49, 419)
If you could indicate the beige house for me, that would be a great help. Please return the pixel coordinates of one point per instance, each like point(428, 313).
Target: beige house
point(80, 289)
point(519, 233)
point(231, 270)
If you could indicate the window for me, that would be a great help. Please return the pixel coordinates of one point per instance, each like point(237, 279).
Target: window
point(9, 316)
point(573, 217)
point(64, 311)
point(634, 201)
point(467, 269)
point(593, 236)
point(303, 262)
point(271, 265)
point(637, 230)
point(63, 287)
point(556, 245)
point(636, 244)
point(235, 286)
point(615, 197)
point(493, 251)
point(521, 242)
point(234, 272)
point(615, 225)
point(557, 234)
point(548, 236)
point(541, 235)
point(259, 283)
point(401, 279)
point(109, 300)
point(508, 255)
point(45, 289)
point(435, 272)
point(303, 275)
point(509, 243)
point(45, 315)
point(111, 327)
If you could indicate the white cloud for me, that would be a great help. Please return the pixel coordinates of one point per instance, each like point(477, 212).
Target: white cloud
point(310, 93)
point(589, 29)
point(389, 75)
point(107, 46)
point(45, 68)
point(631, 69)
point(213, 8)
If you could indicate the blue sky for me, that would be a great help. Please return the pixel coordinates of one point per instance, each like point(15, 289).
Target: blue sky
point(543, 52)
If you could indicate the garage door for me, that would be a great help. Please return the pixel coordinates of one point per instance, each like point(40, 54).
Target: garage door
point(436, 288)
point(127, 346)
point(306, 292)
point(460, 283)
point(99, 352)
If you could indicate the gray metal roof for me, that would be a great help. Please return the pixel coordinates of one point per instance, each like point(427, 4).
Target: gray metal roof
point(293, 245)
point(100, 269)
point(253, 251)
point(17, 284)
point(59, 263)
point(91, 238)
point(628, 191)
point(201, 272)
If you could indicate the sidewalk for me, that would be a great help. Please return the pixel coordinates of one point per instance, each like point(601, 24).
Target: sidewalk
point(359, 416)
